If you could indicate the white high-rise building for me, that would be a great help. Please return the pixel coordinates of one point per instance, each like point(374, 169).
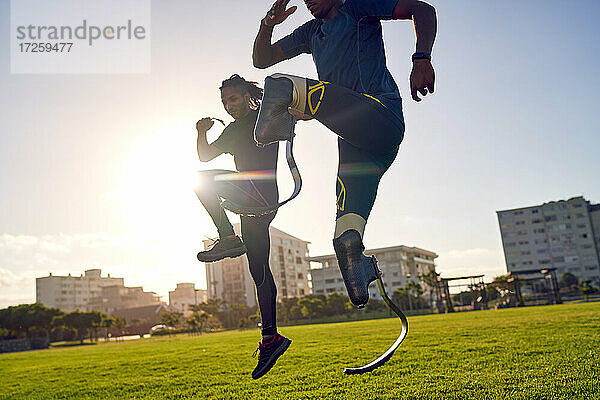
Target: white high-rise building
point(230, 279)
point(560, 234)
point(290, 265)
point(70, 293)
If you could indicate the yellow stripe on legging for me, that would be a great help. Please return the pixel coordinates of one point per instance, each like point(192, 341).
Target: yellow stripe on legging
point(341, 196)
point(311, 89)
point(377, 100)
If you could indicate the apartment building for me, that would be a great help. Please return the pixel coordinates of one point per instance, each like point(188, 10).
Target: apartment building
point(290, 265)
point(70, 293)
point(561, 234)
point(230, 279)
point(186, 295)
point(398, 264)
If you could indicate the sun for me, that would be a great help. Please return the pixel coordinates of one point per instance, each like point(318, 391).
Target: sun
point(155, 188)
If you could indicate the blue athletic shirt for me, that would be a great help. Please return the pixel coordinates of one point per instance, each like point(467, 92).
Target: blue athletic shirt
point(348, 49)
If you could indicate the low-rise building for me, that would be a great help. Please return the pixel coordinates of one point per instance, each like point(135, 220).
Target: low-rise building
point(118, 297)
point(71, 293)
point(184, 296)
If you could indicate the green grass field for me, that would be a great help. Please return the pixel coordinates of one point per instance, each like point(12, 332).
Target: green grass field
point(550, 352)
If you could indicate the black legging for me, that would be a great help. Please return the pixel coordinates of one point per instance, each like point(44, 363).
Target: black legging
point(369, 135)
point(255, 234)
point(214, 184)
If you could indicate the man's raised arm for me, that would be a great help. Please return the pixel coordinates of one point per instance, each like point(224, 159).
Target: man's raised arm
point(264, 54)
point(206, 152)
point(423, 15)
point(424, 18)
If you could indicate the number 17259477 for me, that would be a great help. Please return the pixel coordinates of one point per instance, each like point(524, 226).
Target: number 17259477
point(35, 47)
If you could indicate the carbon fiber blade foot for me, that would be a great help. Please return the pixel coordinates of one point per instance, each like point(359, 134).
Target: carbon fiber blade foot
point(403, 331)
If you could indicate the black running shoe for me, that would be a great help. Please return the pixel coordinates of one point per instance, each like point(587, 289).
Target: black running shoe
point(269, 353)
point(229, 246)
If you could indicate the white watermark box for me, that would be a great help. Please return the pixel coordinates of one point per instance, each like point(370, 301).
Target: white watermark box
point(80, 36)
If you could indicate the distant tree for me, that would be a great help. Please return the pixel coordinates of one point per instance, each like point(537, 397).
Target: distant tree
point(213, 324)
point(219, 309)
point(96, 318)
point(568, 281)
point(311, 306)
point(107, 323)
point(171, 318)
point(430, 279)
point(284, 309)
point(336, 304)
point(5, 334)
point(243, 323)
point(5, 322)
point(253, 319)
point(415, 291)
point(502, 284)
point(587, 289)
point(351, 308)
point(239, 312)
point(120, 324)
point(82, 322)
point(400, 297)
point(296, 313)
point(26, 320)
point(193, 323)
point(40, 318)
point(134, 326)
point(491, 292)
point(375, 305)
point(18, 321)
point(463, 298)
point(203, 319)
point(409, 296)
point(414, 288)
point(213, 306)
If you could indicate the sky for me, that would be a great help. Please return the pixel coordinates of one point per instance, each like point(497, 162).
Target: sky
point(97, 170)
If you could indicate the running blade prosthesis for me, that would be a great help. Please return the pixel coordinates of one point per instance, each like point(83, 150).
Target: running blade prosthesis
point(358, 272)
point(403, 332)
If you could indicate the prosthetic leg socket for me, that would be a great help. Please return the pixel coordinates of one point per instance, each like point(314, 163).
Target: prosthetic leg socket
point(274, 122)
point(357, 270)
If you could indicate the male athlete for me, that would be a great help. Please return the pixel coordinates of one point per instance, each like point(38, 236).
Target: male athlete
point(355, 97)
point(253, 185)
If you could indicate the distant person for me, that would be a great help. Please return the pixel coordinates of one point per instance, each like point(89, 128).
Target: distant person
point(254, 184)
point(355, 97)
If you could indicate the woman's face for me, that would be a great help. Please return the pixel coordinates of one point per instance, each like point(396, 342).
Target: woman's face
point(236, 104)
